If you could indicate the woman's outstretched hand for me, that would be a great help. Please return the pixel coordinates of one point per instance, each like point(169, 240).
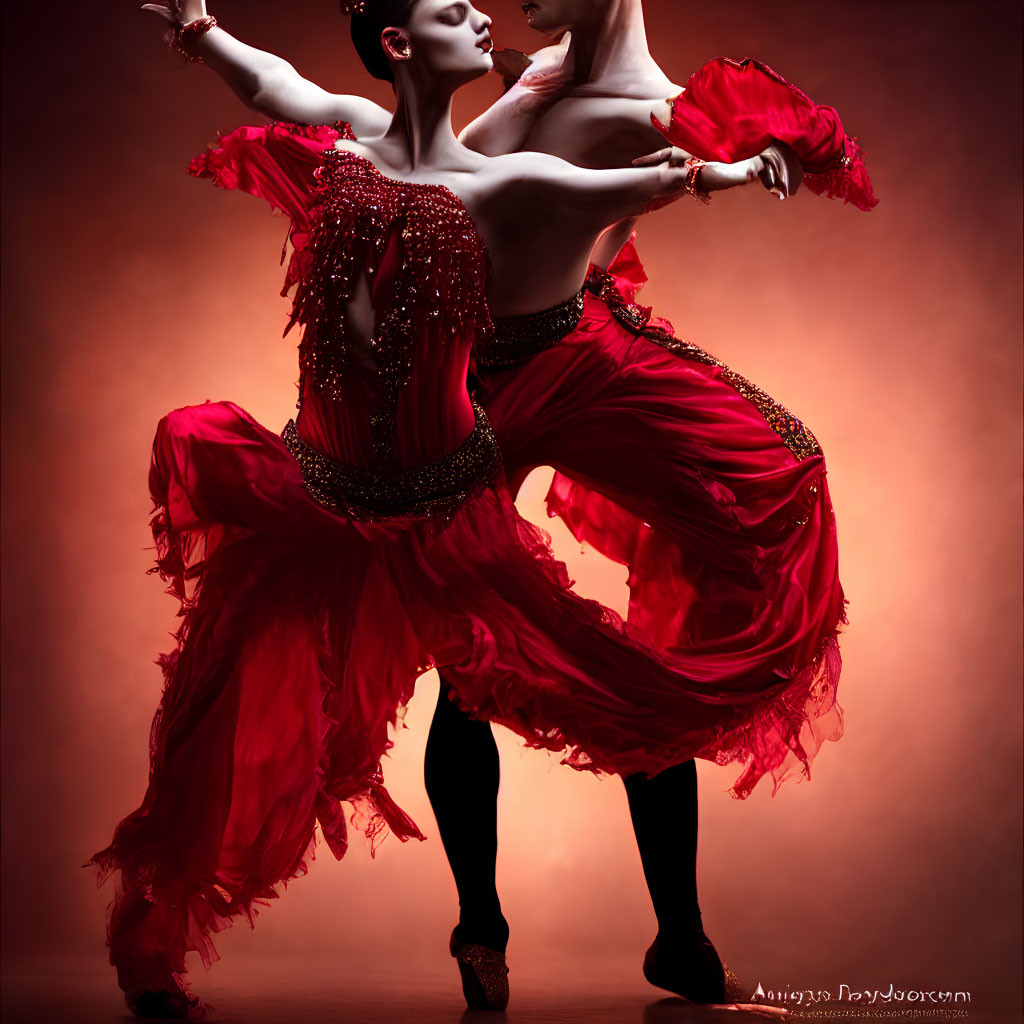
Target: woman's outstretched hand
point(777, 168)
point(715, 175)
point(179, 12)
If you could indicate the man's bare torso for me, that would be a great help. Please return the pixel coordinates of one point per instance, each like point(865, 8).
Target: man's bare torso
point(591, 124)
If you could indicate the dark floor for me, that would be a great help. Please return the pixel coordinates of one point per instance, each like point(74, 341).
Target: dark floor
point(273, 994)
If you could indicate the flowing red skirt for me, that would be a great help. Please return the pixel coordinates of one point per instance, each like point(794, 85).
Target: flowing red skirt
point(730, 538)
point(302, 634)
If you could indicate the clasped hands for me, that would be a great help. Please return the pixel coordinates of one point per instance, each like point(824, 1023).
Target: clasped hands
point(777, 168)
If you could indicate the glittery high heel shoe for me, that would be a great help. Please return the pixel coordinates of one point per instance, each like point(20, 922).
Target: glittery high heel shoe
point(484, 974)
point(690, 967)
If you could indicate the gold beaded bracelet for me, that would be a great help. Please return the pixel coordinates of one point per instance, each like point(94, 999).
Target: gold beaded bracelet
point(179, 37)
point(693, 186)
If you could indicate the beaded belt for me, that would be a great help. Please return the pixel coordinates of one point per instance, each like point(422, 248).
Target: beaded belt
point(518, 338)
point(436, 489)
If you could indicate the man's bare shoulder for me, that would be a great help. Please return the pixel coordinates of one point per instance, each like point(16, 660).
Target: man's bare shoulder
point(599, 131)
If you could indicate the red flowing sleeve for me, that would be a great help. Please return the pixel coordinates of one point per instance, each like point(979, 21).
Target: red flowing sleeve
point(276, 162)
point(731, 110)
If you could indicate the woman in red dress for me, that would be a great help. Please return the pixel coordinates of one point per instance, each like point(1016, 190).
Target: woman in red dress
point(320, 571)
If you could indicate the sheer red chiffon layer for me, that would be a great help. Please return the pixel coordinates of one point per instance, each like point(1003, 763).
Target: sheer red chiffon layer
point(670, 463)
point(302, 635)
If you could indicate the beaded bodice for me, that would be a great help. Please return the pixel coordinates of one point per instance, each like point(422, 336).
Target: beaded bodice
point(426, 268)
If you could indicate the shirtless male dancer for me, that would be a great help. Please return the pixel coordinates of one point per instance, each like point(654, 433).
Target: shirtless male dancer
point(589, 98)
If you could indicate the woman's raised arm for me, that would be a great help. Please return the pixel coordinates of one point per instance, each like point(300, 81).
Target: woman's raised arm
point(267, 83)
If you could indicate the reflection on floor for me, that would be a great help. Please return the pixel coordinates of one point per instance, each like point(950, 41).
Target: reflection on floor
point(254, 992)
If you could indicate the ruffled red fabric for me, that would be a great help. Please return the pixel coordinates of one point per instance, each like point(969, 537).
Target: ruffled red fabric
point(278, 163)
point(730, 539)
point(731, 110)
point(303, 631)
point(302, 635)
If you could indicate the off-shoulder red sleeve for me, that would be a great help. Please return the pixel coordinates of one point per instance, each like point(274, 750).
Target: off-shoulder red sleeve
point(731, 110)
point(276, 162)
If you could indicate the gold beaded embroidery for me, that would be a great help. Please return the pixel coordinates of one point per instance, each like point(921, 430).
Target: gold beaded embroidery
point(518, 338)
point(793, 433)
point(438, 290)
point(434, 490)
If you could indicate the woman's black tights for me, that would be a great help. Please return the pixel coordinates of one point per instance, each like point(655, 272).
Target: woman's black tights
point(461, 772)
point(664, 812)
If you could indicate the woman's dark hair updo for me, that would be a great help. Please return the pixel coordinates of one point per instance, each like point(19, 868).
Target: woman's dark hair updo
point(369, 19)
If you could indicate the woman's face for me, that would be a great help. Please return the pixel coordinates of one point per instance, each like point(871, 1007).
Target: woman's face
point(451, 39)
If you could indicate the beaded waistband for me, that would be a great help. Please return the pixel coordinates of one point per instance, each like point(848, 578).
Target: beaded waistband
point(436, 489)
point(518, 338)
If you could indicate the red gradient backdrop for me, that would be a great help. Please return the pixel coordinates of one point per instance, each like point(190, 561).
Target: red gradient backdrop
point(131, 288)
